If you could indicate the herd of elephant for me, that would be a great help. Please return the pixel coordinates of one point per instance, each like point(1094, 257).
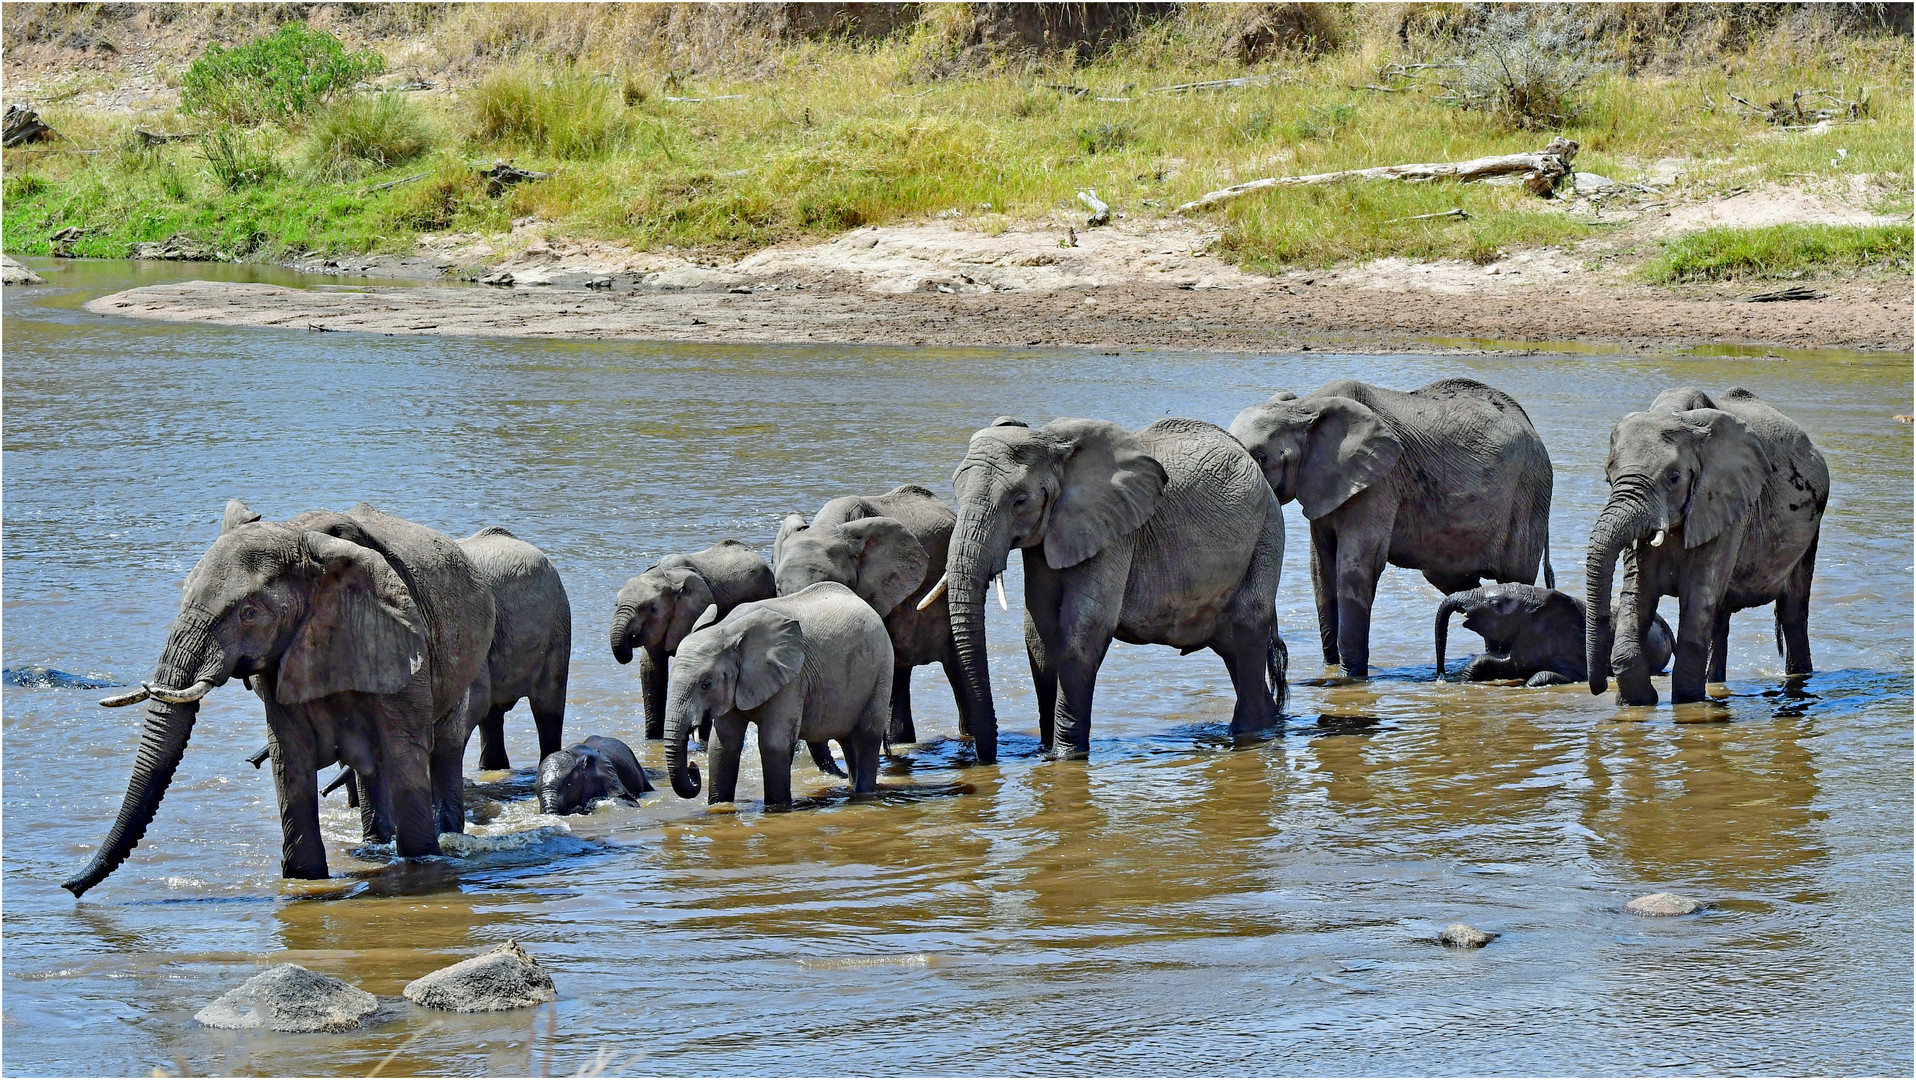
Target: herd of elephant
point(381, 644)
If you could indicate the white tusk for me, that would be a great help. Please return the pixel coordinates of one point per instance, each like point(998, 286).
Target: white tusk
point(181, 697)
point(121, 701)
point(938, 590)
point(1000, 582)
point(1657, 540)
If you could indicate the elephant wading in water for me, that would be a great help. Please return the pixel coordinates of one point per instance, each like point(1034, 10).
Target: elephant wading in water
point(890, 549)
point(1718, 502)
point(657, 609)
point(597, 768)
point(531, 641)
point(1450, 479)
point(810, 667)
point(365, 637)
point(1531, 633)
point(1166, 536)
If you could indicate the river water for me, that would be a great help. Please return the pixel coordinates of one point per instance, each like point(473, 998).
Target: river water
point(1173, 905)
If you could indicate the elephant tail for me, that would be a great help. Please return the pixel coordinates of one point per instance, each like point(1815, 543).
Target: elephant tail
point(1549, 575)
point(822, 757)
point(1278, 659)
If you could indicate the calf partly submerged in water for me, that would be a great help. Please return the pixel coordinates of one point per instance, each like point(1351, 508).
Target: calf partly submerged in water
point(598, 768)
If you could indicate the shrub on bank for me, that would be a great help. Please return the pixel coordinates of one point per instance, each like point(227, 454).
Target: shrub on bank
point(569, 115)
point(1727, 254)
point(364, 132)
point(236, 159)
point(275, 77)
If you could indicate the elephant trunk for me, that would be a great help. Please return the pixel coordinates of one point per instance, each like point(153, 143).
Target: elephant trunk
point(1626, 518)
point(622, 633)
point(162, 744)
point(678, 732)
point(1455, 602)
point(973, 558)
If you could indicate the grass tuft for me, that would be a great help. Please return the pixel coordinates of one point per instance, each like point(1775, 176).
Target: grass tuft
point(571, 115)
point(1779, 251)
point(362, 133)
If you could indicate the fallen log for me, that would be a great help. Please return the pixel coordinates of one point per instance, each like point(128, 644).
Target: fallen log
point(1544, 168)
point(155, 138)
point(1455, 211)
point(500, 174)
point(25, 125)
point(395, 183)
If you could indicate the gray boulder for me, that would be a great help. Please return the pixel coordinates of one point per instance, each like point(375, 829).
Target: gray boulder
point(1662, 904)
point(505, 978)
point(1463, 936)
point(290, 998)
point(12, 273)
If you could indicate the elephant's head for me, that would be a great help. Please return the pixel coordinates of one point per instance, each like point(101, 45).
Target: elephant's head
point(657, 609)
point(320, 614)
point(1070, 488)
point(570, 779)
point(721, 666)
point(875, 557)
point(1319, 450)
point(1502, 613)
point(1683, 475)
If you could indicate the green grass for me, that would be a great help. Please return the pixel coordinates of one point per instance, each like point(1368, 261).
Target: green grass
point(1779, 251)
point(275, 76)
point(832, 137)
point(363, 133)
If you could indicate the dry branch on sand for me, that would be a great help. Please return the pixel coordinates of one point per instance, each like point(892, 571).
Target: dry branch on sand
point(24, 125)
point(1543, 169)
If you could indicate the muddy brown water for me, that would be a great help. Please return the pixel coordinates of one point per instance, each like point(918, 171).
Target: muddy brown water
point(1173, 905)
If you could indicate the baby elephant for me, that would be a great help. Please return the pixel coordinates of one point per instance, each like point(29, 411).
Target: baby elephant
point(1531, 633)
point(598, 768)
point(812, 666)
point(658, 608)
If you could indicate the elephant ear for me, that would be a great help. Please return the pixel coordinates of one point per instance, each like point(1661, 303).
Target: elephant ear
point(1349, 448)
point(690, 596)
point(236, 515)
point(361, 631)
point(793, 523)
point(771, 650)
point(1109, 488)
point(708, 617)
point(1732, 467)
point(891, 561)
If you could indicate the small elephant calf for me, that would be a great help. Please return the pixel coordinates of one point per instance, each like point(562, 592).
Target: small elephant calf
point(598, 768)
point(1531, 633)
point(812, 666)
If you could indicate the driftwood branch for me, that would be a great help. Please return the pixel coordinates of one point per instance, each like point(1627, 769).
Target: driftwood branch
point(395, 183)
point(1213, 84)
point(155, 138)
point(1455, 211)
point(501, 174)
point(1100, 212)
point(1542, 170)
point(24, 125)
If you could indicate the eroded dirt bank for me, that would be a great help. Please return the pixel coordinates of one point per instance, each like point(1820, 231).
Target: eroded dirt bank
point(1138, 285)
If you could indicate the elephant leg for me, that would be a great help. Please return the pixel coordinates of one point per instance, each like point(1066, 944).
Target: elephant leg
point(1245, 650)
point(548, 708)
point(902, 731)
point(868, 738)
point(1087, 619)
point(1044, 644)
point(413, 752)
point(492, 738)
point(375, 807)
point(1360, 562)
point(1550, 678)
point(776, 744)
point(952, 676)
point(1323, 586)
point(850, 747)
point(551, 727)
point(296, 780)
point(1696, 622)
point(1720, 644)
point(721, 759)
point(1793, 616)
point(652, 671)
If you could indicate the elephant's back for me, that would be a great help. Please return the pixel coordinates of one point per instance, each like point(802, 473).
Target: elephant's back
point(844, 637)
point(533, 614)
point(1196, 548)
point(449, 589)
point(734, 571)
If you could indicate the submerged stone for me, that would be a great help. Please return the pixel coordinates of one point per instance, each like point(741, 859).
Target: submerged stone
point(505, 978)
point(1464, 936)
point(1662, 904)
point(290, 998)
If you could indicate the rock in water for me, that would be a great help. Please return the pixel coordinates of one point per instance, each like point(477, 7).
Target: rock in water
point(1662, 903)
point(290, 998)
point(1463, 936)
point(505, 978)
point(12, 273)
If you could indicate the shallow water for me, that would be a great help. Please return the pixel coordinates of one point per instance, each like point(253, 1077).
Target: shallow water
point(1171, 906)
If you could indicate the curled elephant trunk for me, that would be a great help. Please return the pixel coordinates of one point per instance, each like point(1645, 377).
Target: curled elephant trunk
point(1626, 518)
point(685, 775)
point(622, 634)
point(162, 744)
point(970, 565)
point(1455, 602)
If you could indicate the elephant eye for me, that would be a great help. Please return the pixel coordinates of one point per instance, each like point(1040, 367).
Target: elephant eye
point(705, 685)
point(249, 613)
point(1257, 455)
point(1021, 499)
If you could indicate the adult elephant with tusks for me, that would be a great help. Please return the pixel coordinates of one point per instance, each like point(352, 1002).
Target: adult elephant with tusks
point(364, 636)
point(1165, 536)
point(1718, 502)
point(1450, 479)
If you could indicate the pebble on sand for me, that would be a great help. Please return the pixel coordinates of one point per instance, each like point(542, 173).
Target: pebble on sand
point(290, 998)
point(1463, 936)
point(505, 978)
point(1662, 903)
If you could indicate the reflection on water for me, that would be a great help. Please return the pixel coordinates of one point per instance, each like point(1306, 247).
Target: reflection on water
point(1175, 904)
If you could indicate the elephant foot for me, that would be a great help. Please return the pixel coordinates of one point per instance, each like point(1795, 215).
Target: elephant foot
point(1067, 752)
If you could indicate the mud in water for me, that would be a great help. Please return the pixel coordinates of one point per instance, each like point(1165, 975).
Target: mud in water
point(1174, 905)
